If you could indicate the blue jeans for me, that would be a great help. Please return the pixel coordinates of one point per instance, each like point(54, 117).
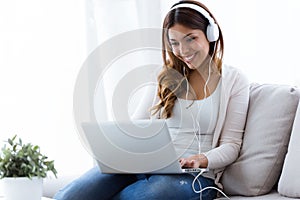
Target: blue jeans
point(93, 185)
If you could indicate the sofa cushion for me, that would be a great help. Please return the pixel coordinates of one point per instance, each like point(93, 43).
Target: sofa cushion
point(289, 182)
point(269, 122)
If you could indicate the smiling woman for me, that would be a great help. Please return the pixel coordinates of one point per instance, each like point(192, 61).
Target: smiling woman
point(44, 43)
point(222, 100)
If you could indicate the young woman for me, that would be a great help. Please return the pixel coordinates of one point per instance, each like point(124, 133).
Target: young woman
point(203, 101)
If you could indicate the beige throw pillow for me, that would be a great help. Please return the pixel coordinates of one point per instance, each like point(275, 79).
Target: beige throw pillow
point(269, 123)
point(289, 182)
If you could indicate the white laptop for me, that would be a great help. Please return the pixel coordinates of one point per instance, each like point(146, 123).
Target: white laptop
point(141, 146)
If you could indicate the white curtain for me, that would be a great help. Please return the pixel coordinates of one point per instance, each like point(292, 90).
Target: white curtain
point(108, 19)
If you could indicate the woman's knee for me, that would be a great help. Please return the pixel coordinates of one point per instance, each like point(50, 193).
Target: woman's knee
point(94, 185)
point(157, 187)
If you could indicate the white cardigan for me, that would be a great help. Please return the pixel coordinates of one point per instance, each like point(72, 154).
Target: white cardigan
point(229, 129)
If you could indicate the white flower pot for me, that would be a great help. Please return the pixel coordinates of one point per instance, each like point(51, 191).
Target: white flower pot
point(22, 188)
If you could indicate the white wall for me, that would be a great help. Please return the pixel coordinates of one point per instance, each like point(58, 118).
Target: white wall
point(261, 37)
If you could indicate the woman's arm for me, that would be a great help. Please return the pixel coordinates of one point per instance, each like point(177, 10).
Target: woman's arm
point(233, 129)
point(230, 140)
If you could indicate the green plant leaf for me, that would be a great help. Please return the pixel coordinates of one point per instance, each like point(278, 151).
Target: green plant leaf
point(24, 160)
point(35, 148)
point(10, 142)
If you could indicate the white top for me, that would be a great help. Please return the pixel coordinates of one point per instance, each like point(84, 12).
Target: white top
point(192, 120)
point(192, 125)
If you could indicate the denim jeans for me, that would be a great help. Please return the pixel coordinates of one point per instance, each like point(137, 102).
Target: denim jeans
point(93, 185)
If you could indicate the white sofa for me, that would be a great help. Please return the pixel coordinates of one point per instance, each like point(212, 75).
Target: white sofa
point(267, 167)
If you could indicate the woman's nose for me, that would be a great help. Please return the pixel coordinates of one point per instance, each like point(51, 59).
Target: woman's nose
point(183, 49)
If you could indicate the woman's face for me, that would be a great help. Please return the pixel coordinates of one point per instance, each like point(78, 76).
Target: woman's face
point(189, 45)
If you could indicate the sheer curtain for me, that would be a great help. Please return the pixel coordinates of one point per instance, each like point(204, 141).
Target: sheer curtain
point(107, 19)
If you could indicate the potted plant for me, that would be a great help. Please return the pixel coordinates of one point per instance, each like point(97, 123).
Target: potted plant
point(22, 169)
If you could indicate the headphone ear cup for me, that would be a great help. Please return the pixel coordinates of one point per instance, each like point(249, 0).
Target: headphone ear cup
point(212, 32)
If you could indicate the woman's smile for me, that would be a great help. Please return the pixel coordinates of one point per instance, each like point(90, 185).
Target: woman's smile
point(189, 58)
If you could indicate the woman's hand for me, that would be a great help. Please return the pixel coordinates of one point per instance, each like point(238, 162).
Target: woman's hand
point(195, 161)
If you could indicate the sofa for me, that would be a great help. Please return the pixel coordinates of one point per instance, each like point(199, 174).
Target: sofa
point(268, 165)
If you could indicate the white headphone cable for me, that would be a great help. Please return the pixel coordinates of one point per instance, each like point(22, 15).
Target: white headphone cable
point(206, 188)
point(197, 130)
point(199, 142)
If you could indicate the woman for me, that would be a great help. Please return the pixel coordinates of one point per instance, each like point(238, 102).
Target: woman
point(205, 104)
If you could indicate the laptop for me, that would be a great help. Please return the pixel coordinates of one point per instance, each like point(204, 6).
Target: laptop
point(139, 146)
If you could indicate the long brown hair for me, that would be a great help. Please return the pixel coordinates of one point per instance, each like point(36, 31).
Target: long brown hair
point(172, 79)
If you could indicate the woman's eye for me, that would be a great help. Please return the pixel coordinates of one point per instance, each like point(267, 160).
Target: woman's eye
point(190, 39)
point(174, 43)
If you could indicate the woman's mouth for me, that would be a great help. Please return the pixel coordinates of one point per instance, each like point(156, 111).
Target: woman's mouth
point(188, 58)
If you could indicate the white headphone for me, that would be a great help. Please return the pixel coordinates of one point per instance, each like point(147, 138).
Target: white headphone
point(212, 32)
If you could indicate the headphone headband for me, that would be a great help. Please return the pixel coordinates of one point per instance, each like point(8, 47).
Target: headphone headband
point(212, 32)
